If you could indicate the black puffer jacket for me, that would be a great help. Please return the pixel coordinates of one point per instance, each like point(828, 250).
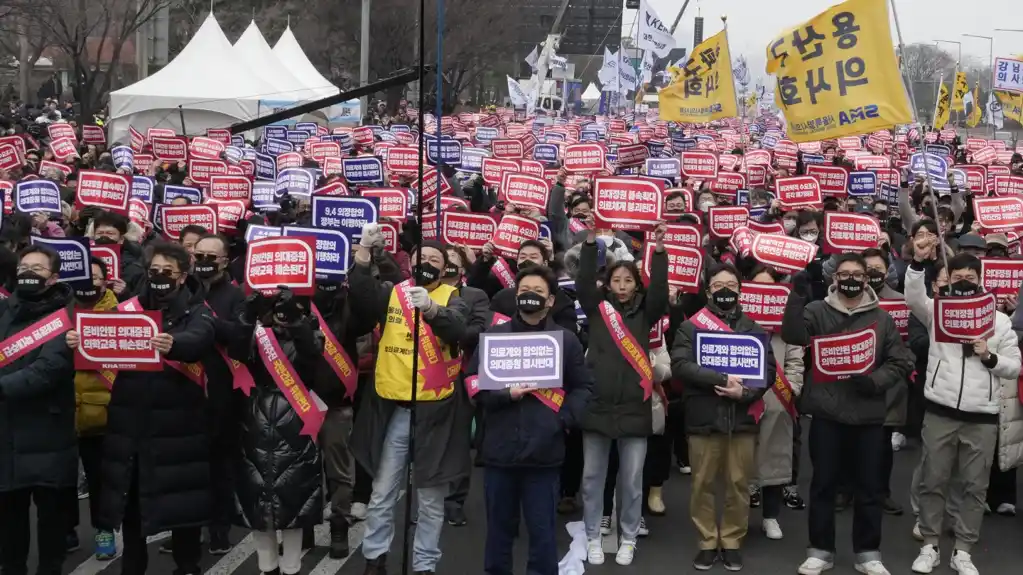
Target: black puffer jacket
point(843, 401)
point(705, 411)
point(278, 479)
point(37, 401)
point(157, 420)
point(617, 407)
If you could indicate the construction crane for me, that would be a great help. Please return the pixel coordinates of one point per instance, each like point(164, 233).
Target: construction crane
point(534, 88)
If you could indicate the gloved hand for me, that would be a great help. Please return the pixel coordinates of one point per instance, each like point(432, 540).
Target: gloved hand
point(864, 385)
point(371, 236)
point(256, 306)
point(801, 284)
point(420, 298)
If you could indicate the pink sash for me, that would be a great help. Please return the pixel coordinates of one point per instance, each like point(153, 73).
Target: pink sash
point(576, 225)
point(337, 358)
point(287, 380)
point(629, 347)
point(503, 272)
point(34, 336)
point(436, 372)
point(240, 374)
point(552, 398)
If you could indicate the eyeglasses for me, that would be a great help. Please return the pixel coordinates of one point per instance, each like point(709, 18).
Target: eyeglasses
point(858, 276)
point(34, 268)
point(734, 286)
point(156, 272)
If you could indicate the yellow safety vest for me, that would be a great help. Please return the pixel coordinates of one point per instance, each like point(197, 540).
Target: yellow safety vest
point(394, 354)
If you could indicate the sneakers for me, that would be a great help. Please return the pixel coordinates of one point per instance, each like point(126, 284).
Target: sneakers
point(754, 496)
point(890, 507)
point(643, 529)
point(963, 564)
point(605, 525)
point(359, 511)
point(594, 552)
point(167, 547)
point(1006, 510)
point(772, 529)
point(705, 559)
point(626, 552)
point(898, 441)
point(308, 539)
point(814, 566)
point(685, 469)
point(71, 543)
point(872, 568)
point(655, 502)
point(104, 546)
point(731, 559)
point(792, 498)
point(376, 566)
point(927, 560)
point(455, 515)
point(219, 543)
point(916, 532)
point(567, 506)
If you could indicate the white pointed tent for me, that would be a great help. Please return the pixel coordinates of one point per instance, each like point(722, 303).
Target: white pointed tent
point(206, 84)
point(252, 49)
point(290, 53)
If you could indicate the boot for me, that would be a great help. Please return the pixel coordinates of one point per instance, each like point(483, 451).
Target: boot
point(655, 502)
point(339, 540)
point(308, 539)
point(376, 566)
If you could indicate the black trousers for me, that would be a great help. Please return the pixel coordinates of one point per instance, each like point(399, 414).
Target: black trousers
point(676, 429)
point(831, 443)
point(534, 493)
point(1001, 486)
point(887, 462)
point(90, 451)
point(51, 529)
point(797, 448)
point(771, 497)
point(572, 466)
point(185, 545)
point(338, 464)
point(915, 407)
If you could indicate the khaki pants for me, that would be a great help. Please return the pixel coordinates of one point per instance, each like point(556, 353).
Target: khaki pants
point(728, 461)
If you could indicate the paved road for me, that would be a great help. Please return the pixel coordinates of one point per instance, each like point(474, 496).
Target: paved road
point(668, 550)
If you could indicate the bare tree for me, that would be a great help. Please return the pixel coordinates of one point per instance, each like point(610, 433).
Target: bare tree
point(925, 62)
point(92, 35)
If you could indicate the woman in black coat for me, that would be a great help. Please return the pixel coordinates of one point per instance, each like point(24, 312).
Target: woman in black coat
point(278, 471)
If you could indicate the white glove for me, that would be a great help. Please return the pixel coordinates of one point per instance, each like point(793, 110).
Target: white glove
point(420, 298)
point(371, 236)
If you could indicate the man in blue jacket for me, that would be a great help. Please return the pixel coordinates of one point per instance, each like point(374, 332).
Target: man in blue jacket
point(524, 444)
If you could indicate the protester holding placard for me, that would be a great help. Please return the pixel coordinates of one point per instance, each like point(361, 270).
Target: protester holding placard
point(961, 426)
point(38, 453)
point(92, 395)
point(111, 228)
point(620, 315)
point(777, 452)
point(442, 447)
point(721, 419)
point(524, 444)
point(278, 473)
point(173, 442)
point(849, 413)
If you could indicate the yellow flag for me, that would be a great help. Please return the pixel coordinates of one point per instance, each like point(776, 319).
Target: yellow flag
point(837, 74)
point(975, 114)
point(959, 92)
point(704, 89)
point(942, 108)
point(1012, 105)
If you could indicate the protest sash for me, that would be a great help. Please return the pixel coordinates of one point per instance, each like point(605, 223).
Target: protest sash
point(33, 336)
point(553, 398)
point(436, 372)
point(782, 389)
point(287, 380)
point(628, 346)
point(193, 371)
point(337, 358)
point(240, 374)
point(503, 272)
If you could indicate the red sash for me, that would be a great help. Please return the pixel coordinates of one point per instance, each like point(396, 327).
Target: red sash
point(193, 371)
point(498, 319)
point(576, 225)
point(337, 358)
point(33, 336)
point(287, 380)
point(240, 375)
point(552, 398)
point(503, 272)
point(782, 389)
point(629, 347)
point(4, 294)
point(436, 372)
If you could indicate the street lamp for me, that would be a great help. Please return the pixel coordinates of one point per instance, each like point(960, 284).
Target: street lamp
point(960, 44)
point(991, 62)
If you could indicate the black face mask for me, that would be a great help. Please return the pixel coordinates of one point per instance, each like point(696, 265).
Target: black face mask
point(451, 271)
point(725, 299)
point(850, 288)
point(90, 295)
point(206, 267)
point(579, 216)
point(961, 288)
point(30, 284)
point(426, 274)
point(529, 302)
point(161, 286)
point(105, 241)
point(997, 253)
point(875, 280)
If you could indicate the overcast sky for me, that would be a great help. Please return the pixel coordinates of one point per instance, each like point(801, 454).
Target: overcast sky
point(754, 23)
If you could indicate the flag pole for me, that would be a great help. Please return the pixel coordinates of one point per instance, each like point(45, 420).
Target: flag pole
point(923, 146)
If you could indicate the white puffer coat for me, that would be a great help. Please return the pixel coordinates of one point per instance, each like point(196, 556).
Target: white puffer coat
point(958, 382)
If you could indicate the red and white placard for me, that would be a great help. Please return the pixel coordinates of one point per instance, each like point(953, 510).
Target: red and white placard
point(277, 261)
point(845, 232)
point(843, 355)
point(964, 319)
point(625, 203)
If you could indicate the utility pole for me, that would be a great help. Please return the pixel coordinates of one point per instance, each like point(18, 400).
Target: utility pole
point(364, 53)
point(678, 18)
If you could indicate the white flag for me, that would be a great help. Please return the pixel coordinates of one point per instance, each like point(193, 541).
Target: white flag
point(968, 102)
point(559, 63)
point(626, 74)
point(653, 34)
point(647, 67)
point(517, 94)
point(993, 114)
point(533, 57)
point(608, 74)
point(533, 96)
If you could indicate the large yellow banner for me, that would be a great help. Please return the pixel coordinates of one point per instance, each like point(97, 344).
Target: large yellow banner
point(942, 108)
point(975, 114)
point(959, 92)
point(703, 90)
point(837, 74)
point(1012, 105)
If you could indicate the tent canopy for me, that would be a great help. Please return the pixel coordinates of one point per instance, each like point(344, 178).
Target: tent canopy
point(291, 55)
point(252, 49)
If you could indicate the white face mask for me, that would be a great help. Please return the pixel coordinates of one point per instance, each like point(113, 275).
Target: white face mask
point(607, 240)
point(808, 236)
point(706, 206)
point(789, 225)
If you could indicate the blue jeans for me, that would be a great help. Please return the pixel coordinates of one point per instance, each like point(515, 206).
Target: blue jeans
point(631, 455)
point(536, 492)
point(390, 477)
